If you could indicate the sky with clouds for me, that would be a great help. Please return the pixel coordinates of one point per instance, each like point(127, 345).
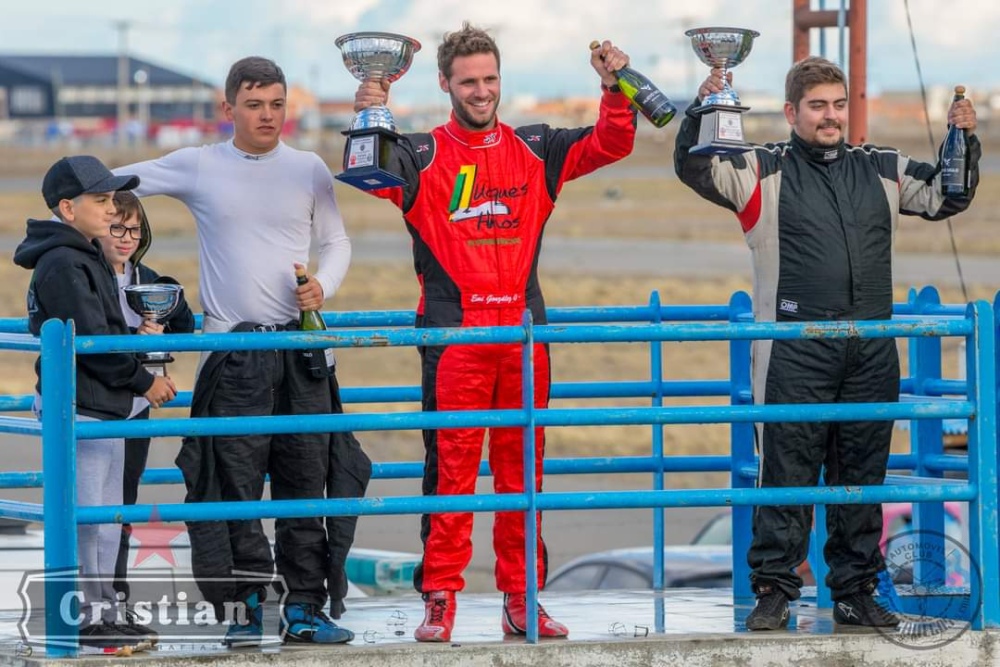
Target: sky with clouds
point(543, 42)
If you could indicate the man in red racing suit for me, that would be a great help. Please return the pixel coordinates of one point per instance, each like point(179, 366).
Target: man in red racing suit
point(476, 198)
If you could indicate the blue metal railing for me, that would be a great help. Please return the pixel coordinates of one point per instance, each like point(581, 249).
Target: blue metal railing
point(920, 319)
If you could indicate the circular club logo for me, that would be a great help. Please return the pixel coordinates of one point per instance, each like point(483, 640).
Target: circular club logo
point(937, 588)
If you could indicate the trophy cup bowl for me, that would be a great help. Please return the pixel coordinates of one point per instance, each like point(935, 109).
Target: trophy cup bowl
point(376, 55)
point(154, 302)
point(724, 48)
point(721, 128)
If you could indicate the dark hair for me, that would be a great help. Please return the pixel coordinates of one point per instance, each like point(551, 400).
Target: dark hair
point(465, 42)
point(127, 204)
point(255, 71)
point(809, 72)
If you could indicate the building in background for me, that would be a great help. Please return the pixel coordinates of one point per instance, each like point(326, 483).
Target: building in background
point(127, 97)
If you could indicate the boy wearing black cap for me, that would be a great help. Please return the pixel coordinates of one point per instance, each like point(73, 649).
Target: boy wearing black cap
point(72, 280)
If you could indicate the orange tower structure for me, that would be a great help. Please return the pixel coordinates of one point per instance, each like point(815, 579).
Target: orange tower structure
point(804, 19)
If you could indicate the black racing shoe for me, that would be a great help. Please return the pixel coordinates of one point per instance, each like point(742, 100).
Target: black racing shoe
point(771, 612)
point(862, 609)
point(132, 627)
point(103, 635)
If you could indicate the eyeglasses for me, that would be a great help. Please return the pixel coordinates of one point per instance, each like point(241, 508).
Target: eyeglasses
point(118, 231)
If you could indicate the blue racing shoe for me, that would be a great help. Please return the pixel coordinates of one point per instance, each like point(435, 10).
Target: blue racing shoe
point(249, 634)
point(307, 623)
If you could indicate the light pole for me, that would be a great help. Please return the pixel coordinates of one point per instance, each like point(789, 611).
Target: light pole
point(141, 78)
point(121, 112)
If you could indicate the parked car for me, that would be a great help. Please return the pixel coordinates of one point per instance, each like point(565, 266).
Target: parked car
point(897, 524)
point(685, 566)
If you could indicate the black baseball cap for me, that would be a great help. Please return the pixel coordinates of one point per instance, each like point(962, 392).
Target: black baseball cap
point(73, 176)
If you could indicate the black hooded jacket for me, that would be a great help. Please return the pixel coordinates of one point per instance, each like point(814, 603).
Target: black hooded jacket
point(72, 280)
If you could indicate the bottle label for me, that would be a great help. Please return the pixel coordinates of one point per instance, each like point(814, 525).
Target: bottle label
point(953, 175)
point(320, 363)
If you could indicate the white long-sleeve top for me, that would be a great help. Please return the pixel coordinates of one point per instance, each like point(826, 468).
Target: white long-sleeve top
point(256, 215)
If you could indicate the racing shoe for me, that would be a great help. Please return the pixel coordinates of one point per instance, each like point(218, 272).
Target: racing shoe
point(771, 612)
point(515, 618)
point(132, 627)
point(439, 617)
point(251, 632)
point(307, 623)
point(104, 635)
point(862, 609)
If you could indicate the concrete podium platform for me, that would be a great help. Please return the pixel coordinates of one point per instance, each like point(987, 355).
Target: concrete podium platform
point(607, 628)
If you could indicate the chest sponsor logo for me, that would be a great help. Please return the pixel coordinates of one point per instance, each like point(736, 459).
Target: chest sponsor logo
point(788, 306)
point(492, 210)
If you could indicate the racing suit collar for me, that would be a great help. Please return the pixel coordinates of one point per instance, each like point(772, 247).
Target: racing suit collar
point(472, 138)
point(821, 154)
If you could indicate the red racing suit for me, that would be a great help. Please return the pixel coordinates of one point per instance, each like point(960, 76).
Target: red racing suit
point(476, 204)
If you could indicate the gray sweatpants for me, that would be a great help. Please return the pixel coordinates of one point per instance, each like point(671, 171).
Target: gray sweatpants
point(99, 468)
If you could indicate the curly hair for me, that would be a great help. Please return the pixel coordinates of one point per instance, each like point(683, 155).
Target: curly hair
point(465, 42)
point(809, 72)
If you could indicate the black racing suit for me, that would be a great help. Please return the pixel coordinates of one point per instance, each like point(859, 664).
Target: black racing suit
point(259, 383)
point(820, 224)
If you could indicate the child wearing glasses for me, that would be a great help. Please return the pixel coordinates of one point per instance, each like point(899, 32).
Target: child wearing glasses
point(124, 247)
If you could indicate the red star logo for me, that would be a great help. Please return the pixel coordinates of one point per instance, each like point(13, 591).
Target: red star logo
point(154, 539)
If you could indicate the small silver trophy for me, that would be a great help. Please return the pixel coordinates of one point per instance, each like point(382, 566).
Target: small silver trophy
point(154, 302)
point(381, 56)
point(721, 113)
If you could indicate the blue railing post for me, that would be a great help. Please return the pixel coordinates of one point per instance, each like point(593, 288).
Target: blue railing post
point(981, 372)
point(741, 441)
point(59, 489)
point(656, 375)
point(817, 561)
point(530, 514)
point(926, 440)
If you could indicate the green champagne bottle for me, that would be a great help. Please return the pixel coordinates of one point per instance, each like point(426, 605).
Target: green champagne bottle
point(319, 362)
point(644, 95)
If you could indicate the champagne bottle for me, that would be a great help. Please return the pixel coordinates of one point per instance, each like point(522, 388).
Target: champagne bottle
point(954, 158)
point(644, 95)
point(319, 362)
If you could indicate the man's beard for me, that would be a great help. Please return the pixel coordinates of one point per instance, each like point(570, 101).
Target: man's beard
point(467, 120)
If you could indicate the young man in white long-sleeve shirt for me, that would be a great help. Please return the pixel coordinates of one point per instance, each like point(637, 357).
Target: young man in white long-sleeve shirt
point(258, 204)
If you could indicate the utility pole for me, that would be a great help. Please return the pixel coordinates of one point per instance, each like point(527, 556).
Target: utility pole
point(121, 114)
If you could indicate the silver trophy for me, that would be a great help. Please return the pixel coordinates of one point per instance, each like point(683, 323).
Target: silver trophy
point(721, 113)
point(154, 302)
point(381, 56)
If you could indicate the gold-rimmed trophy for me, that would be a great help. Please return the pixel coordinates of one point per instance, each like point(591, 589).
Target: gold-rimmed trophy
point(155, 302)
point(380, 56)
point(721, 113)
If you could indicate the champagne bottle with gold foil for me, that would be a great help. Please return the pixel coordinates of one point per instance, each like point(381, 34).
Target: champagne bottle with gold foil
point(644, 95)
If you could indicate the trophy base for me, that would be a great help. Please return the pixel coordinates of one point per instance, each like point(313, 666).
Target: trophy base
point(366, 154)
point(721, 131)
point(156, 362)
